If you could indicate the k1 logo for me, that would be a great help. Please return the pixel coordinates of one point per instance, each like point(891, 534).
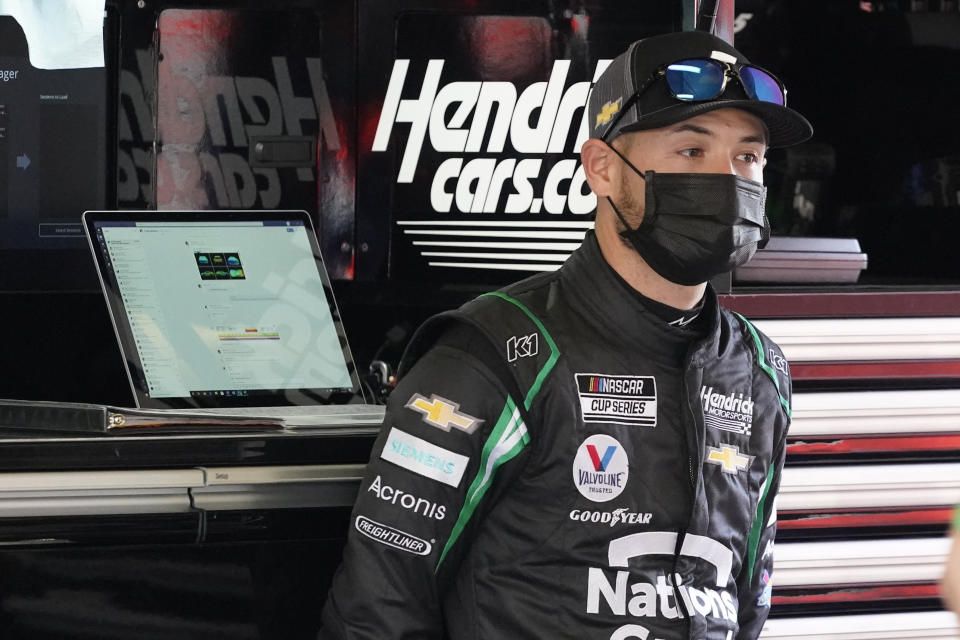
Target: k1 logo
point(522, 347)
point(778, 361)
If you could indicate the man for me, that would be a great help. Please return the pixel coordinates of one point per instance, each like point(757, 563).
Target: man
point(950, 583)
point(595, 452)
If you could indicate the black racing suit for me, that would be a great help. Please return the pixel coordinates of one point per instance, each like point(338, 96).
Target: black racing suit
point(557, 463)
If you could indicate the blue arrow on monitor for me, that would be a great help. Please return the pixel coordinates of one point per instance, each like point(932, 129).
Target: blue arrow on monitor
point(23, 161)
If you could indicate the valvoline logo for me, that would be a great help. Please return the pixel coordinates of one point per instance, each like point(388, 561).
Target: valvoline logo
point(600, 464)
point(600, 468)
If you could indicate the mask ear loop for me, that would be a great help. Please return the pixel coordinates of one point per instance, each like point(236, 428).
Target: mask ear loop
point(620, 215)
point(638, 172)
point(764, 233)
point(624, 158)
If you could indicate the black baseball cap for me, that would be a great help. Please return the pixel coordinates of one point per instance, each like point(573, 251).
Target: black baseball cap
point(656, 107)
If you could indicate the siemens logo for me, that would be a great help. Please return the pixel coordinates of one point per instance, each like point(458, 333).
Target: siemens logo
point(424, 458)
point(9, 74)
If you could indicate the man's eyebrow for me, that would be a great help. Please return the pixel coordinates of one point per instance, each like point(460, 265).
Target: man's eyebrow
point(691, 127)
point(761, 138)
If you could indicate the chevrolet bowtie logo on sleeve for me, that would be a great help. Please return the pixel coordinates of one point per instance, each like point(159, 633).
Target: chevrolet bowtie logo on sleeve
point(606, 112)
point(442, 413)
point(729, 458)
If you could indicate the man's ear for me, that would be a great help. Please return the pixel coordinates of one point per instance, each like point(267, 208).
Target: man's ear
point(599, 167)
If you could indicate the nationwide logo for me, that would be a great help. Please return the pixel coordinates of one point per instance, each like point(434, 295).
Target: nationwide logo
point(613, 591)
point(442, 413)
point(408, 501)
point(392, 537)
point(613, 399)
point(612, 518)
point(729, 412)
point(600, 468)
point(522, 347)
point(729, 458)
point(424, 458)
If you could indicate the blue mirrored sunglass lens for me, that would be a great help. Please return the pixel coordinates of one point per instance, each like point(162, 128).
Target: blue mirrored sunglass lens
point(695, 79)
point(761, 86)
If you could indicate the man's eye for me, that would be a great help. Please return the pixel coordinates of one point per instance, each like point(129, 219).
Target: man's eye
point(750, 158)
point(692, 153)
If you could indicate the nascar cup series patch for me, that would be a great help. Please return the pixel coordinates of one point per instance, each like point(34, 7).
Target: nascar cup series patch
point(612, 399)
point(600, 468)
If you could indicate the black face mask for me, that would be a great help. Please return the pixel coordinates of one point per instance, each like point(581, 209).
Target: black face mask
point(697, 225)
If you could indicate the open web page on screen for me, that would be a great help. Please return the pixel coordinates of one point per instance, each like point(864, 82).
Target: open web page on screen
point(236, 305)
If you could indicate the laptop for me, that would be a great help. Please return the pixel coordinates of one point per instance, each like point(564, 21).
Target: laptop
point(229, 312)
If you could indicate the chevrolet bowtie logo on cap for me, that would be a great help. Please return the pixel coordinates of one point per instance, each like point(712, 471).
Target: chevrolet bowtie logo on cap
point(442, 413)
point(608, 110)
point(729, 458)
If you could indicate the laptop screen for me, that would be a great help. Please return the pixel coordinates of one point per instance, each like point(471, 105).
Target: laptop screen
point(222, 308)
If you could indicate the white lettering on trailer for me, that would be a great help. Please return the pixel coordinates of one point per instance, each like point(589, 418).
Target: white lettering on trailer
point(538, 120)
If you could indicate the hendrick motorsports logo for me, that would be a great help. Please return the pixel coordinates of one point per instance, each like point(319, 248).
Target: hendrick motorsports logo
point(600, 468)
point(612, 399)
point(392, 537)
point(730, 412)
